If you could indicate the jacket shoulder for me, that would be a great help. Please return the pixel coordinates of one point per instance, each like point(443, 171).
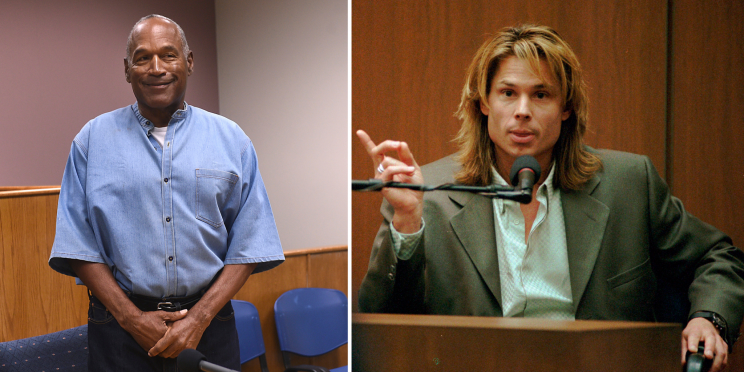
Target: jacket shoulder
point(620, 165)
point(441, 171)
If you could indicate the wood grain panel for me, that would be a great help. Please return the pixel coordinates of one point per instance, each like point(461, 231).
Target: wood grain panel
point(459, 343)
point(329, 270)
point(708, 117)
point(3, 189)
point(35, 299)
point(408, 68)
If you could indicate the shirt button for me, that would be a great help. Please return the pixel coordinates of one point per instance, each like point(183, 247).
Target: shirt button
point(391, 276)
point(392, 269)
point(167, 219)
point(170, 258)
point(166, 180)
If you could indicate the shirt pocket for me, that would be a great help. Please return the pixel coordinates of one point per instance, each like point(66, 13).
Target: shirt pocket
point(213, 188)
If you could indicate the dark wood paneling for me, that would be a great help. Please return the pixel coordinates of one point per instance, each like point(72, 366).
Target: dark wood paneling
point(408, 67)
point(708, 117)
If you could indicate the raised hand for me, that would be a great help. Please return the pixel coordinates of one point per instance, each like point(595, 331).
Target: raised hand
point(408, 204)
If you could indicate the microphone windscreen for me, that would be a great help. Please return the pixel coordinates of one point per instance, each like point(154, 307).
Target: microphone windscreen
point(188, 360)
point(522, 162)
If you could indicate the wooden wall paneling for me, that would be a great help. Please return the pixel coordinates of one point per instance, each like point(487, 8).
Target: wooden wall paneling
point(35, 299)
point(408, 68)
point(329, 270)
point(707, 110)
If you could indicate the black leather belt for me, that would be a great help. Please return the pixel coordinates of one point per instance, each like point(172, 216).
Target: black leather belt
point(169, 304)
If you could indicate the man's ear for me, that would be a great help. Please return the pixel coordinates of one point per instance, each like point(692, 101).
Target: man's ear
point(190, 62)
point(484, 108)
point(126, 70)
point(566, 114)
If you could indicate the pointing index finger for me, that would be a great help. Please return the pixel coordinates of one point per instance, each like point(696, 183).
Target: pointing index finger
point(366, 141)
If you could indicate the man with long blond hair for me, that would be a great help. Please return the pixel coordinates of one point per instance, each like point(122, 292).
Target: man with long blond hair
point(601, 228)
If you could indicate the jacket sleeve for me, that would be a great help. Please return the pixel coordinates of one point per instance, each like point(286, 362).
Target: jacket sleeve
point(393, 285)
point(695, 252)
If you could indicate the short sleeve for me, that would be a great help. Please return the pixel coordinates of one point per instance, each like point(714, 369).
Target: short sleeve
point(74, 237)
point(253, 236)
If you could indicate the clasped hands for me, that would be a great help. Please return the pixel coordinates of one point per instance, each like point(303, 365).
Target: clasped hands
point(166, 334)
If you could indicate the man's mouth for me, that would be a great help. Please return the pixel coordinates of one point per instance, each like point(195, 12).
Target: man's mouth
point(521, 136)
point(159, 84)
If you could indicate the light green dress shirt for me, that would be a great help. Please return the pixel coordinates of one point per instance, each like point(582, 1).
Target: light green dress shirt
point(534, 275)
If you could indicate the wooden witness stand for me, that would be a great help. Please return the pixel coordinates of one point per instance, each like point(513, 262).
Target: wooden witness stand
point(386, 342)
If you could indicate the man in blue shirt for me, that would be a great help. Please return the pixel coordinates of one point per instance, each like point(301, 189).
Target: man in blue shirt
point(163, 215)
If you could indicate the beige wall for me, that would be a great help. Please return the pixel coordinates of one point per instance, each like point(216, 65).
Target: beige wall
point(283, 78)
point(61, 65)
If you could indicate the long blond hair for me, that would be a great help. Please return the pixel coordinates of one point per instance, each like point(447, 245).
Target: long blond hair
point(574, 164)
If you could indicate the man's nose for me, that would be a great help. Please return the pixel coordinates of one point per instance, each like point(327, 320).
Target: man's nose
point(156, 66)
point(523, 110)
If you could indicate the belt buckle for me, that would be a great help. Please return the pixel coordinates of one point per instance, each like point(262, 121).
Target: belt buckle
point(167, 306)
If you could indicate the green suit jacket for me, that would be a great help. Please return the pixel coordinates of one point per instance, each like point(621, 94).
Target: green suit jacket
point(623, 231)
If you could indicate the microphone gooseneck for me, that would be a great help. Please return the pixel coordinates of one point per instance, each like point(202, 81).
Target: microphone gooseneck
point(525, 172)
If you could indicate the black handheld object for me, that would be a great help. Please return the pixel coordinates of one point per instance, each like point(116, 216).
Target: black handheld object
point(697, 362)
point(525, 172)
point(191, 360)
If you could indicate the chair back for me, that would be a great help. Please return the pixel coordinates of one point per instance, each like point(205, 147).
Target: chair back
point(250, 337)
point(59, 351)
point(311, 321)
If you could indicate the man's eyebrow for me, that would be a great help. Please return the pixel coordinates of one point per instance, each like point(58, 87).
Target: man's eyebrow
point(170, 48)
point(511, 84)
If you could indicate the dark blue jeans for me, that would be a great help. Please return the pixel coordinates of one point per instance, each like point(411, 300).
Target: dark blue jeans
point(111, 348)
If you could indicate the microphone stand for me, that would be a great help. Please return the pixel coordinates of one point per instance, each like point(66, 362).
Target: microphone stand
point(523, 196)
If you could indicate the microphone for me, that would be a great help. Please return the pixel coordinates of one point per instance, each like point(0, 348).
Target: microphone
point(191, 360)
point(525, 172)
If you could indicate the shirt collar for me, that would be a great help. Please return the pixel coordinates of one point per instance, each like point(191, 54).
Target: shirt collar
point(545, 190)
point(147, 125)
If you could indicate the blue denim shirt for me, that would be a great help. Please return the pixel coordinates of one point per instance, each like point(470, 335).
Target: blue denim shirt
point(165, 220)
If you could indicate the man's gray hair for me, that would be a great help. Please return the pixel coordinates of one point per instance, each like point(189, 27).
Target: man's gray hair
point(184, 43)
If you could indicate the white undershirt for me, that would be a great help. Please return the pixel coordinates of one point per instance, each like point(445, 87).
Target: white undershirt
point(159, 134)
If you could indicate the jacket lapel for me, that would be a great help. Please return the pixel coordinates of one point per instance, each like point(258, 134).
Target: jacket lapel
point(473, 225)
point(585, 219)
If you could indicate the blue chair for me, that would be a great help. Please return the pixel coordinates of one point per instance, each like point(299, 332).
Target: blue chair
point(59, 351)
point(250, 337)
point(311, 322)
